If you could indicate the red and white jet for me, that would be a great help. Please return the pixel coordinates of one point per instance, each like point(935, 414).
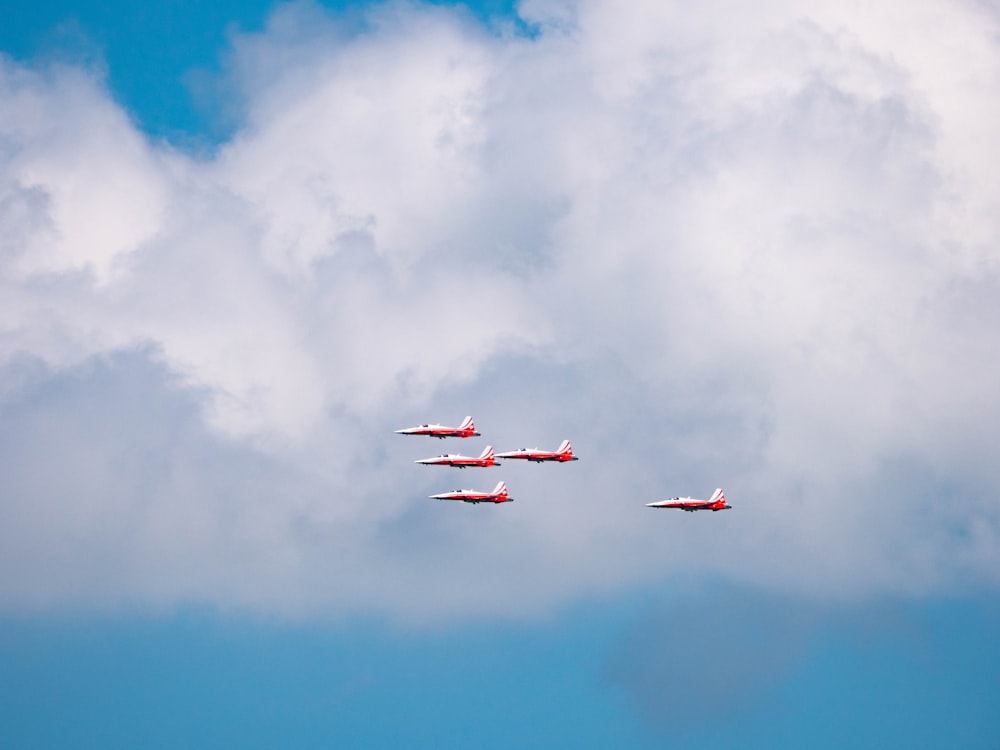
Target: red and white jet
point(486, 458)
point(716, 502)
point(563, 453)
point(499, 495)
point(464, 430)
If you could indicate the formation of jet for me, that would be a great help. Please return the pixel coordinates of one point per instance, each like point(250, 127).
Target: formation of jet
point(465, 430)
point(499, 495)
point(716, 502)
point(563, 453)
point(486, 458)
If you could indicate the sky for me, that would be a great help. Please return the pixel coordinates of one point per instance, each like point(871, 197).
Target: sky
point(750, 248)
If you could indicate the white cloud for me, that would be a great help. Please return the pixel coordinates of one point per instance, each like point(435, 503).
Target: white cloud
point(78, 191)
point(754, 249)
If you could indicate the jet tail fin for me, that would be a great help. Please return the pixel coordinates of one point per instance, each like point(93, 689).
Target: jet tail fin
point(500, 489)
point(487, 452)
point(565, 447)
point(467, 424)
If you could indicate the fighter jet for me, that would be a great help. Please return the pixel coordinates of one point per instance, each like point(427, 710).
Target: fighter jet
point(499, 495)
point(563, 453)
point(486, 458)
point(716, 502)
point(464, 430)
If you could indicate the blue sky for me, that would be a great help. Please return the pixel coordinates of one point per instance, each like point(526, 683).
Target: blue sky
point(244, 242)
point(612, 672)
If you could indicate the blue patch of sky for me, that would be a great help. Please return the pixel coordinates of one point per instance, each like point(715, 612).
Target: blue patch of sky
point(928, 679)
point(199, 681)
point(927, 676)
point(157, 55)
point(889, 673)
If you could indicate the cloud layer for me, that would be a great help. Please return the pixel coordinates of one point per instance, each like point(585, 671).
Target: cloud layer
point(750, 249)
